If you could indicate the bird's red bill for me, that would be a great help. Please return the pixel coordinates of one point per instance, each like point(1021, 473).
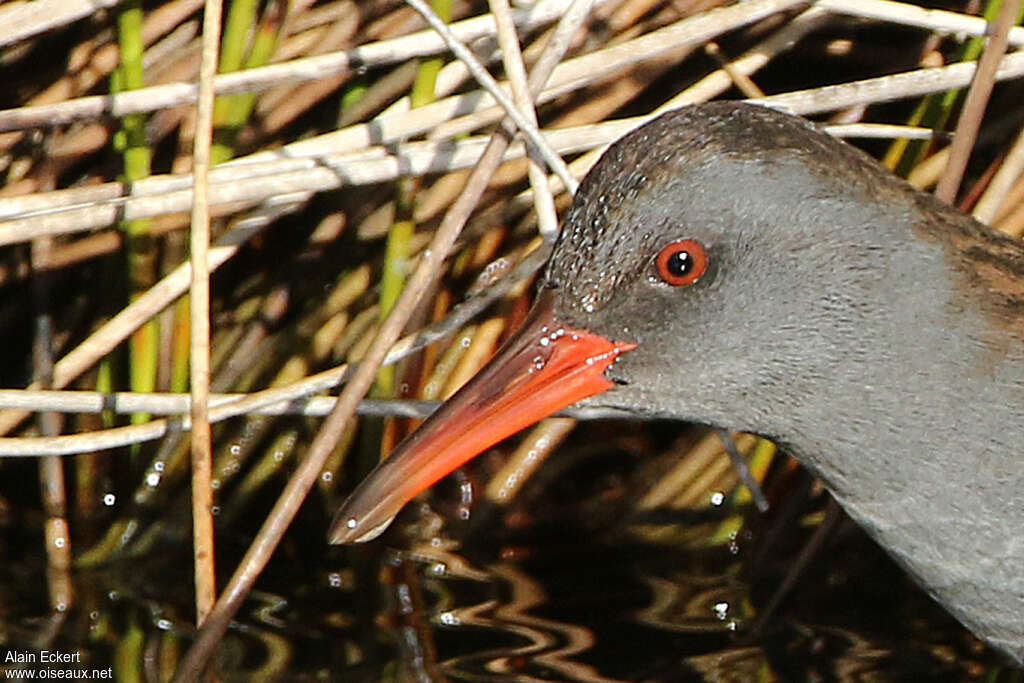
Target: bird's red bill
point(540, 370)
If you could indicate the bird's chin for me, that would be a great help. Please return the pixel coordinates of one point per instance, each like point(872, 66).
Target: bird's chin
point(626, 401)
point(591, 409)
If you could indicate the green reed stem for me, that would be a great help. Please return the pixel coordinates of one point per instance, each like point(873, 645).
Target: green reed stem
point(134, 146)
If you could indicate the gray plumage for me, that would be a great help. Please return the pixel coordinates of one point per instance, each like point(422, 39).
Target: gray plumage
point(871, 330)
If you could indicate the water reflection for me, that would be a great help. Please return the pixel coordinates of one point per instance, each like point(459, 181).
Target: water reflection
point(589, 573)
point(558, 611)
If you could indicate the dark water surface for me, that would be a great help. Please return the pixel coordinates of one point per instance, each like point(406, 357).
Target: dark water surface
point(574, 581)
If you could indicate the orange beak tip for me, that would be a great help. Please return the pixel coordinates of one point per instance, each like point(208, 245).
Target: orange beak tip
point(347, 531)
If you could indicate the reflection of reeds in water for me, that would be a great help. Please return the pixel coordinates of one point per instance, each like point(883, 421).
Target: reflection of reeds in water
point(320, 132)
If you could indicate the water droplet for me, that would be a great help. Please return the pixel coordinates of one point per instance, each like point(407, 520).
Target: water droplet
point(163, 624)
point(215, 484)
point(158, 466)
point(449, 619)
point(235, 449)
point(405, 604)
point(109, 499)
point(351, 523)
point(334, 580)
point(717, 498)
point(215, 510)
point(60, 542)
point(734, 547)
point(152, 480)
point(721, 610)
point(327, 476)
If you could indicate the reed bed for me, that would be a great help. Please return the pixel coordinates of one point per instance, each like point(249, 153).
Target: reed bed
point(375, 221)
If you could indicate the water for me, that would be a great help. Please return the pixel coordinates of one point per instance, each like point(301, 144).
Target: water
point(569, 582)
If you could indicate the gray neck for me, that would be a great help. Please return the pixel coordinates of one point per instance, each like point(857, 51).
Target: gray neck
point(936, 477)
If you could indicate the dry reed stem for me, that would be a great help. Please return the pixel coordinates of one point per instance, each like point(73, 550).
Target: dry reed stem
point(149, 99)
point(199, 322)
point(163, 293)
point(89, 64)
point(942, 22)
point(512, 58)
point(977, 98)
point(300, 483)
point(419, 44)
point(1014, 199)
point(21, 20)
point(97, 206)
point(57, 538)
point(537, 445)
point(487, 82)
point(997, 193)
point(430, 266)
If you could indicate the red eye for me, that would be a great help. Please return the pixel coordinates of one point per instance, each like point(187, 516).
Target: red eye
point(682, 263)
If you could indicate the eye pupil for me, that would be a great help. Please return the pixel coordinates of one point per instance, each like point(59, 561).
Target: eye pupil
point(680, 263)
